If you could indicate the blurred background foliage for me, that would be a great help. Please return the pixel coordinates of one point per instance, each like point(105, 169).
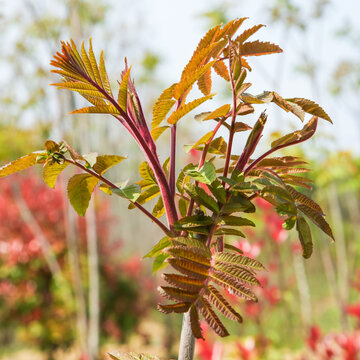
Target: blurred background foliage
point(74, 288)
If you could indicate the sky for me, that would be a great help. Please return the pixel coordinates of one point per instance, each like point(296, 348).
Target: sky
point(172, 29)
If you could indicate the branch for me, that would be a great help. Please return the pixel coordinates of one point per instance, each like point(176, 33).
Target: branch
point(135, 203)
point(233, 119)
point(172, 161)
point(150, 154)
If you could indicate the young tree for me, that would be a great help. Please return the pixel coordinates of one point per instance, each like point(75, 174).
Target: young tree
point(208, 201)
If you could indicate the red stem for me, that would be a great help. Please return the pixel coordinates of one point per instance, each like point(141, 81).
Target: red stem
point(233, 119)
point(112, 185)
point(166, 194)
point(172, 160)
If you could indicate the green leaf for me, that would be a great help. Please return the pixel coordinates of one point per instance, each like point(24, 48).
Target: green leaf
point(279, 192)
point(206, 174)
point(50, 172)
point(194, 221)
point(234, 221)
point(289, 222)
point(79, 189)
point(130, 192)
point(157, 249)
point(19, 164)
point(285, 209)
point(201, 197)
point(244, 187)
point(238, 203)
point(159, 262)
point(147, 195)
point(218, 191)
point(304, 236)
point(183, 178)
point(105, 162)
point(229, 231)
point(183, 206)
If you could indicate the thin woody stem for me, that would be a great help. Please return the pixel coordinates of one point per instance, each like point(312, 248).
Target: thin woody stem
point(203, 157)
point(112, 185)
point(233, 120)
point(172, 160)
point(151, 155)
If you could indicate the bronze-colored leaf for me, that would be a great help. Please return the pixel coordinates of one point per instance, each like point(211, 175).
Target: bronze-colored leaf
point(189, 268)
point(317, 219)
point(231, 284)
point(303, 199)
point(217, 300)
point(184, 282)
point(247, 33)
point(195, 323)
point(241, 273)
point(204, 82)
point(193, 254)
point(311, 107)
point(176, 308)
point(176, 294)
point(222, 70)
point(211, 318)
point(239, 260)
point(257, 48)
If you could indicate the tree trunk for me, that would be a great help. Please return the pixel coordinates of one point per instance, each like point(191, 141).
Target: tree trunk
point(93, 267)
point(187, 340)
